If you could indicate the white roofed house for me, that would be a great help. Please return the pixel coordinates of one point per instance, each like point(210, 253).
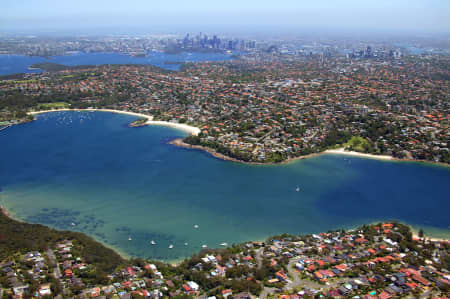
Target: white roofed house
point(45, 289)
point(193, 285)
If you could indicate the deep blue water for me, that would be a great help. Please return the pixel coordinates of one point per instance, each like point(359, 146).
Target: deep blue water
point(12, 64)
point(88, 171)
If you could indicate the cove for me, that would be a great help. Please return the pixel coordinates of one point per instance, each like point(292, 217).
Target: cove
point(90, 172)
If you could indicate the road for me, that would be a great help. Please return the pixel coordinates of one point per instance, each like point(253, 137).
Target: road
point(52, 258)
point(56, 271)
point(266, 291)
point(297, 281)
point(308, 283)
point(258, 257)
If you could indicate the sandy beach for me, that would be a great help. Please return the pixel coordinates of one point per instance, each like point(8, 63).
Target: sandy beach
point(342, 151)
point(189, 129)
point(339, 151)
point(195, 131)
point(432, 239)
point(428, 236)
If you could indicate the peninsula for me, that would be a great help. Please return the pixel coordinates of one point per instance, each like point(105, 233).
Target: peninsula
point(261, 112)
point(145, 119)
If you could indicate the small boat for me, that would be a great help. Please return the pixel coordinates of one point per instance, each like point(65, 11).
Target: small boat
point(170, 246)
point(297, 189)
point(129, 239)
point(185, 244)
point(73, 224)
point(224, 244)
point(196, 226)
point(204, 246)
point(153, 242)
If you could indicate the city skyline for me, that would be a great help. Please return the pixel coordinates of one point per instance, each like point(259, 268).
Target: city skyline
point(251, 16)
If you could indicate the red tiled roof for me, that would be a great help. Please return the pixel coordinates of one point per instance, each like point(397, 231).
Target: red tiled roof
point(384, 295)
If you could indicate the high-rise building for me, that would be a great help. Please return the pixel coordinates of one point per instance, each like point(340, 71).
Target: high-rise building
point(369, 51)
point(230, 45)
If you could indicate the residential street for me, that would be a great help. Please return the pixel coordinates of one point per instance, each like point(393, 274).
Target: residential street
point(52, 259)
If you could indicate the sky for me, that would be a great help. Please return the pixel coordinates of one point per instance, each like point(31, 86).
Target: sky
point(428, 16)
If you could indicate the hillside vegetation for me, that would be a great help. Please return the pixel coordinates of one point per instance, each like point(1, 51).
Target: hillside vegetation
point(23, 237)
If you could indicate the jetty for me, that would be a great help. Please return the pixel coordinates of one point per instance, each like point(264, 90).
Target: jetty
point(5, 127)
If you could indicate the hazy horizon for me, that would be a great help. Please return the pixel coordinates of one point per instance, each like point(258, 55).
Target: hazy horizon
point(101, 16)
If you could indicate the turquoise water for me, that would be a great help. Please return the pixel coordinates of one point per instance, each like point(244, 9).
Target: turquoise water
point(12, 64)
point(88, 171)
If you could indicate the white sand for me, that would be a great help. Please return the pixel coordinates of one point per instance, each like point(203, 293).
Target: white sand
point(189, 129)
point(342, 151)
point(432, 239)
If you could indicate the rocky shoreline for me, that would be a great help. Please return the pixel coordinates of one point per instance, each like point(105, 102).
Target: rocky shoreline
point(180, 143)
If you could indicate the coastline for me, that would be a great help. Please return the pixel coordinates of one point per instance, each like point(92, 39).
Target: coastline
point(11, 216)
point(428, 236)
point(430, 233)
point(432, 239)
point(179, 142)
point(8, 214)
point(195, 131)
point(148, 117)
point(176, 262)
point(186, 128)
point(189, 129)
point(340, 151)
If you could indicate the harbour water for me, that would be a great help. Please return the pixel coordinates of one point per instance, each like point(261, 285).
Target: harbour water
point(90, 172)
point(12, 64)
